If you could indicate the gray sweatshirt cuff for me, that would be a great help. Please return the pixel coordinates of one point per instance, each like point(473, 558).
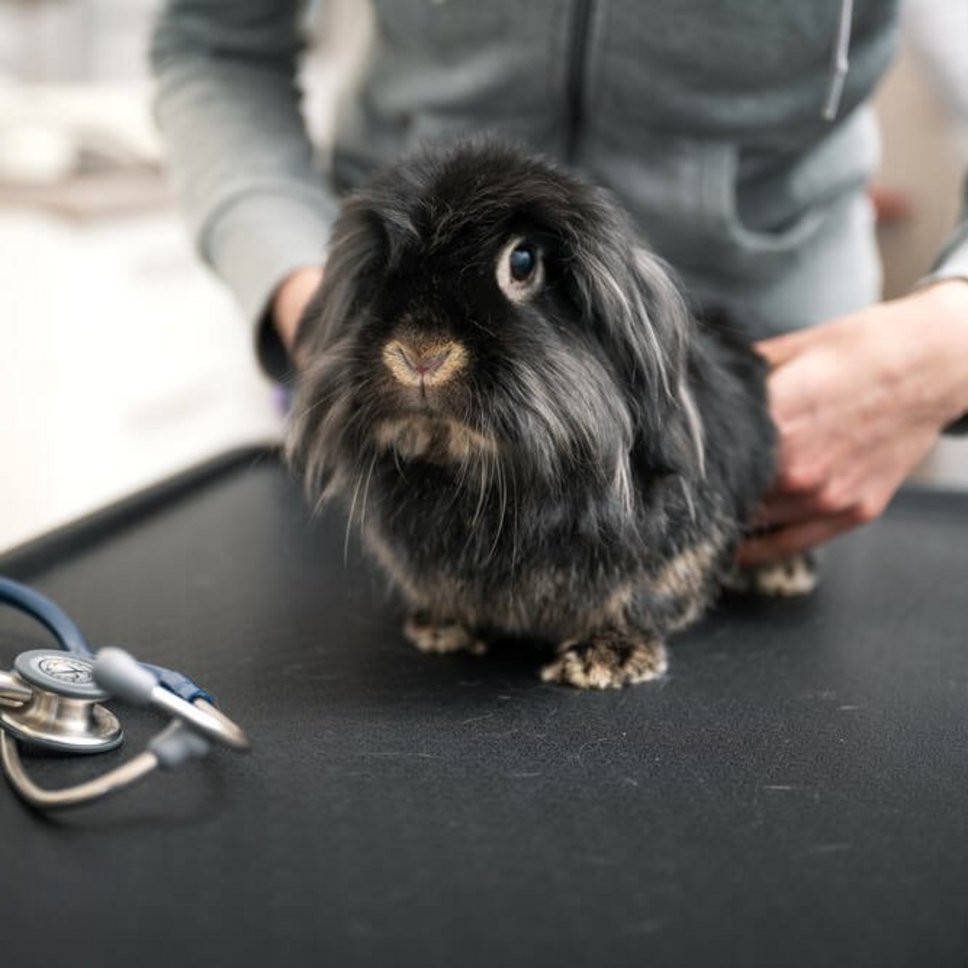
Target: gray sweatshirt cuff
point(952, 264)
point(254, 242)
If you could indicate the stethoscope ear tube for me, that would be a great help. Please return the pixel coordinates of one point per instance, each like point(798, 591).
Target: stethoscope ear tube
point(120, 674)
point(120, 777)
point(174, 746)
point(49, 614)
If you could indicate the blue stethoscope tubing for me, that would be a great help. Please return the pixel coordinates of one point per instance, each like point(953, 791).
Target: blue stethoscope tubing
point(70, 638)
point(196, 722)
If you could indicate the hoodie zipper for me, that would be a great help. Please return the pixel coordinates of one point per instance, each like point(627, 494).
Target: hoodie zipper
point(581, 18)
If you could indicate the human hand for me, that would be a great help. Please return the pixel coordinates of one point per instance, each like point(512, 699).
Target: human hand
point(858, 402)
point(290, 300)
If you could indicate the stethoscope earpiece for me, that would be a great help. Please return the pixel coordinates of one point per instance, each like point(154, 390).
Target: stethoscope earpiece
point(123, 676)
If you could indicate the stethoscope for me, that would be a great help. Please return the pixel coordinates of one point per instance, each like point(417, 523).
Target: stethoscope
point(52, 699)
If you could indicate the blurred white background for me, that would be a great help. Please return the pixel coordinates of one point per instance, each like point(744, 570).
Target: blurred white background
point(123, 361)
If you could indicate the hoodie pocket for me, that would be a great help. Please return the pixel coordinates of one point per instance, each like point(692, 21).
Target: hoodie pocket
point(774, 206)
point(786, 223)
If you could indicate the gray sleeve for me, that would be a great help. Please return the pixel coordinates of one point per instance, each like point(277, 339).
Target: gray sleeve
point(227, 104)
point(937, 34)
point(952, 263)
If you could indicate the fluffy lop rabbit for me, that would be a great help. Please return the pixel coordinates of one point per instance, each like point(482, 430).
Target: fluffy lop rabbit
point(533, 434)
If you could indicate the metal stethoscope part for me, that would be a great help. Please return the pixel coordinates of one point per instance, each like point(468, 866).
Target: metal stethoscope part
point(53, 699)
point(55, 703)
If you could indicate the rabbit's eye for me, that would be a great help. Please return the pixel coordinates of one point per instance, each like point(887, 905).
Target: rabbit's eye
point(522, 262)
point(520, 271)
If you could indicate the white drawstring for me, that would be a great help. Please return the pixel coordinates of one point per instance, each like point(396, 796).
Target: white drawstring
point(841, 62)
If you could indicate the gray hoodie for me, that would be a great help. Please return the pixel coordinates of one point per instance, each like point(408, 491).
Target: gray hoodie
point(734, 131)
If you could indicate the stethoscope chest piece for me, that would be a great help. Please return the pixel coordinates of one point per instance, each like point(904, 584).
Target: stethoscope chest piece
point(64, 711)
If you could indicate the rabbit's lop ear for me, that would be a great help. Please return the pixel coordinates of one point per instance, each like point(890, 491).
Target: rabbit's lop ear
point(628, 295)
point(323, 346)
point(357, 252)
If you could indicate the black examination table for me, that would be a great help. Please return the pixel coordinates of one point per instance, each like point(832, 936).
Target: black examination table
point(795, 793)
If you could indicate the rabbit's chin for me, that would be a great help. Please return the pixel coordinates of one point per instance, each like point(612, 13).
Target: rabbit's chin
point(434, 438)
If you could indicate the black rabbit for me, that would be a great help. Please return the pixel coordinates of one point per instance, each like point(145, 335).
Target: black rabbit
point(533, 433)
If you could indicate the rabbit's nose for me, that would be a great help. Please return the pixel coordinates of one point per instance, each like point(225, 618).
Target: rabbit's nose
point(426, 365)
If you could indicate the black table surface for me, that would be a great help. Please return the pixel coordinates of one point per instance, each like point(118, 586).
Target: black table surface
point(795, 792)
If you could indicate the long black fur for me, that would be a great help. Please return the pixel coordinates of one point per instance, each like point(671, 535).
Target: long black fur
point(631, 442)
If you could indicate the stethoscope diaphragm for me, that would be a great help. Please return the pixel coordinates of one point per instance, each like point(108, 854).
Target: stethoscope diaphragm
point(64, 711)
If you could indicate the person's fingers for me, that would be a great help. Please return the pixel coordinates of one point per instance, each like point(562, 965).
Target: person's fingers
point(784, 509)
point(787, 542)
point(797, 392)
point(777, 350)
point(290, 300)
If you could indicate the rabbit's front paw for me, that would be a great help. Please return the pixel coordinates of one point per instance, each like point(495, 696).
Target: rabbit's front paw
point(607, 660)
point(789, 578)
point(441, 637)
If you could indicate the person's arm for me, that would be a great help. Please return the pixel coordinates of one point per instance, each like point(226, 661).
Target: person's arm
point(858, 402)
point(228, 108)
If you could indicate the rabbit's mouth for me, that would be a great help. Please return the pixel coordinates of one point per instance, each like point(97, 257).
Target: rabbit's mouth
point(439, 440)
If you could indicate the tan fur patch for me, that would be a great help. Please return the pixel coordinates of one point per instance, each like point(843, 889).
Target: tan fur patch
point(784, 579)
point(538, 607)
point(436, 439)
point(607, 661)
point(411, 437)
point(691, 612)
point(442, 639)
point(686, 575)
point(463, 442)
point(613, 612)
